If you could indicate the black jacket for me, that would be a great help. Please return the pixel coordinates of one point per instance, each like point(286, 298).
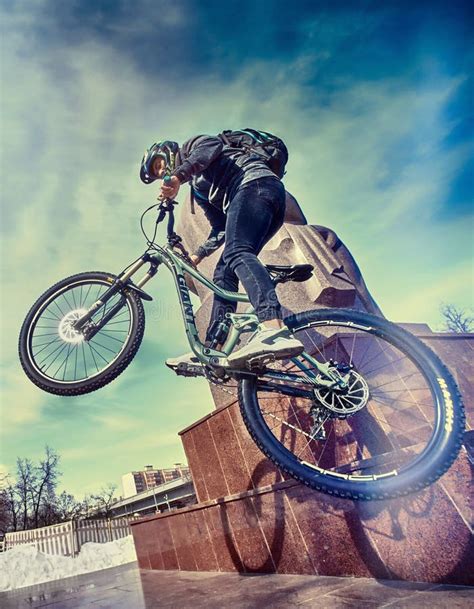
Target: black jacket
point(215, 170)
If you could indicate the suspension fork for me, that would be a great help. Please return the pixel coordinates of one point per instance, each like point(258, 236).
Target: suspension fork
point(120, 283)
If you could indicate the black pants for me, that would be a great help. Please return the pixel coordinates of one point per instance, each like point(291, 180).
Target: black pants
point(256, 212)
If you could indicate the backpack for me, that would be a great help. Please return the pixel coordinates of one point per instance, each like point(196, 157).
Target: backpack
point(271, 148)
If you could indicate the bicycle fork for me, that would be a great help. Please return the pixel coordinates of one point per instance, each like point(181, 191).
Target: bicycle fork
point(122, 282)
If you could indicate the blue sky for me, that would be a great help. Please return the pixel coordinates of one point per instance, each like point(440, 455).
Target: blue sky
point(373, 99)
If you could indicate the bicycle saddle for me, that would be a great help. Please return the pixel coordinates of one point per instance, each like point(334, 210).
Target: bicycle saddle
point(295, 272)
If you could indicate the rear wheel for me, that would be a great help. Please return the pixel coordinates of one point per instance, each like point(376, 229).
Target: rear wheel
point(60, 360)
point(392, 423)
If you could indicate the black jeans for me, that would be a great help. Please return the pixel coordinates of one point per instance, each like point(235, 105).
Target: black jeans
point(255, 213)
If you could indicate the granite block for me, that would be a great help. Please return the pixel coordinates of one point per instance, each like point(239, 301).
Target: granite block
point(168, 551)
point(200, 542)
point(262, 471)
point(456, 354)
point(194, 462)
point(282, 534)
point(421, 537)
point(250, 544)
point(223, 542)
point(154, 548)
point(141, 540)
point(330, 532)
point(208, 457)
point(230, 453)
point(457, 483)
point(181, 540)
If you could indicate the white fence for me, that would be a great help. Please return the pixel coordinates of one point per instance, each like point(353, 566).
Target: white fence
point(67, 538)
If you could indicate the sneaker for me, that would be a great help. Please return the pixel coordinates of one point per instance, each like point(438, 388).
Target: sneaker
point(267, 344)
point(188, 359)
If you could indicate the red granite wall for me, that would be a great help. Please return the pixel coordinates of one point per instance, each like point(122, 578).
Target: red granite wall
point(288, 528)
point(249, 519)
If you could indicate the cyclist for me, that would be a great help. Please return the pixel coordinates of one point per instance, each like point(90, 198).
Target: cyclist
point(244, 202)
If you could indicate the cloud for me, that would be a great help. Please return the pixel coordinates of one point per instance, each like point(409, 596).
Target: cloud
point(446, 285)
point(21, 402)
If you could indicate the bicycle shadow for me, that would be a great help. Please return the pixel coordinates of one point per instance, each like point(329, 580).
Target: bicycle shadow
point(370, 525)
point(252, 513)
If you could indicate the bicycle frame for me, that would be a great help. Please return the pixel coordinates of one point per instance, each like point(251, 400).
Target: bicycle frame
point(240, 322)
point(178, 266)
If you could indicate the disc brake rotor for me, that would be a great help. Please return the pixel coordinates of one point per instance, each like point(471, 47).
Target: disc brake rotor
point(347, 401)
point(66, 330)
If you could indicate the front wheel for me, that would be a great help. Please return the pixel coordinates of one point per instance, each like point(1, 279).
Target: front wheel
point(62, 361)
point(389, 423)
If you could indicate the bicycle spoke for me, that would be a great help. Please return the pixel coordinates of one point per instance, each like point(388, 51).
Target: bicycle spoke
point(96, 342)
point(57, 355)
point(102, 333)
point(93, 357)
point(352, 348)
point(47, 334)
point(86, 296)
point(55, 318)
point(84, 358)
point(46, 345)
point(97, 353)
point(75, 361)
point(395, 380)
point(64, 362)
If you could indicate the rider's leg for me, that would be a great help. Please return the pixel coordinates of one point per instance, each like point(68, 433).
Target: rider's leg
point(266, 220)
point(225, 278)
point(255, 213)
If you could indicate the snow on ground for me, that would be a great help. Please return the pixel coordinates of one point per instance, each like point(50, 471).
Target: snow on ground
point(25, 565)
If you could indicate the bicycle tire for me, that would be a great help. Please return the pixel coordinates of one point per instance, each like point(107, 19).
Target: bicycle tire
point(100, 378)
point(442, 448)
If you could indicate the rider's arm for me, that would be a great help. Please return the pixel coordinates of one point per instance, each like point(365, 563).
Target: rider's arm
point(196, 155)
point(216, 219)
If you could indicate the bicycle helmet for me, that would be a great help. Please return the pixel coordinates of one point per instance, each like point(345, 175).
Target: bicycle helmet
point(167, 150)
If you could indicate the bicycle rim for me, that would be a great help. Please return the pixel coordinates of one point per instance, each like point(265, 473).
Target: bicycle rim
point(60, 354)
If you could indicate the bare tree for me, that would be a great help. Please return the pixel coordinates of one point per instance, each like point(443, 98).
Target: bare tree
point(103, 500)
point(67, 508)
point(9, 505)
point(456, 319)
point(47, 474)
point(32, 498)
point(25, 483)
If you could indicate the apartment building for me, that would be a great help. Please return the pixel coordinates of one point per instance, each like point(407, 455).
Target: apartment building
point(139, 481)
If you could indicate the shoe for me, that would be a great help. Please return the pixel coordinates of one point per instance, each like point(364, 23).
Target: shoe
point(268, 344)
point(188, 359)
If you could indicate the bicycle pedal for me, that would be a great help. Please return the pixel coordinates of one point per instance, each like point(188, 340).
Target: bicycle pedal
point(260, 361)
point(187, 370)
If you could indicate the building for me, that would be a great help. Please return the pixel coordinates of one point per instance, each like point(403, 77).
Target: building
point(171, 495)
point(140, 481)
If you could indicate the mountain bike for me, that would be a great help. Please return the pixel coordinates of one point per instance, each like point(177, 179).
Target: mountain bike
point(367, 411)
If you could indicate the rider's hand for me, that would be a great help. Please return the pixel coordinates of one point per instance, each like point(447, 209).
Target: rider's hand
point(170, 189)
point(195, 259)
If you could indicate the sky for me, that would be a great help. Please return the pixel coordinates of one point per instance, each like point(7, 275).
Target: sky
point(374, 101)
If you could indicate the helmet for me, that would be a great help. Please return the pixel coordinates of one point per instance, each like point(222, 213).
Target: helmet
point(167, 150)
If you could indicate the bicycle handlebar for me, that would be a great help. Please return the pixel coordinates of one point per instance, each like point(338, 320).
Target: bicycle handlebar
point(166, 206)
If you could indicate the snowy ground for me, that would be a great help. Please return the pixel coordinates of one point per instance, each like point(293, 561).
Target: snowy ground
point(25, 565)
